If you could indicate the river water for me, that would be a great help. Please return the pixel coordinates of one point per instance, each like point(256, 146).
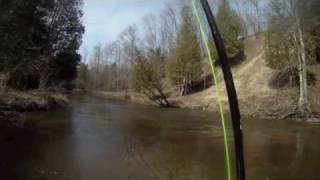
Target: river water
point(104, 139)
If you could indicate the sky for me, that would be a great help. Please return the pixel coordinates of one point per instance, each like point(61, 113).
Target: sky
point(104, 20)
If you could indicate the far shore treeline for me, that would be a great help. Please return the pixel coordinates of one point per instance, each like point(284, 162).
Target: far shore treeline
point(170, 55)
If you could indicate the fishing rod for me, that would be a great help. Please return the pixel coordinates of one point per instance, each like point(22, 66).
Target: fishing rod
point(231, 91)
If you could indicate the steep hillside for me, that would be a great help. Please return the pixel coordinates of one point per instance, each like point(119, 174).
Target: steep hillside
point(255, 95)
point(252, 77)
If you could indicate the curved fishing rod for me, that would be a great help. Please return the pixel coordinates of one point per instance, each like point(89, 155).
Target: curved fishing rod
point(231, 91)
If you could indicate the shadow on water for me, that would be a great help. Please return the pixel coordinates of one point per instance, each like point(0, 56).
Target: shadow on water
point(97, 139)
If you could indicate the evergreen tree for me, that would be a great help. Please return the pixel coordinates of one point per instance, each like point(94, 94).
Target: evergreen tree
point(231, 28)
point(39, 42)
point(64, 34)
point(280, 41)
point(21, 39)
point(311, 21)
point(184, 63)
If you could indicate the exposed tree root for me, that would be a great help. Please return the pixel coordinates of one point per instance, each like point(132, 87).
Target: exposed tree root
point(293, 113)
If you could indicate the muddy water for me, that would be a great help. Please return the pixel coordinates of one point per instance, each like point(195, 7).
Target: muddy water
point(99, 139)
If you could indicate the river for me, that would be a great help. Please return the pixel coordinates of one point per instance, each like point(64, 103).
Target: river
point(104, 139)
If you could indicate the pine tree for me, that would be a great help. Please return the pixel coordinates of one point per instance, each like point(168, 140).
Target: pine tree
point(62, 20)
point(280, 49)
point(231, 28)
point(39, 42)
point(22, 35)
point(184, 63)
point(278, 39)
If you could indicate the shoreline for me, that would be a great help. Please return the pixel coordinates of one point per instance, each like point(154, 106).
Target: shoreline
point(13, 105)
point(252, 78)
point(267, 107)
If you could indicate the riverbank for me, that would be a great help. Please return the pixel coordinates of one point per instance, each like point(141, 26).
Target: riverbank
point(252, 80)
point(14, 103)
point(275, 104)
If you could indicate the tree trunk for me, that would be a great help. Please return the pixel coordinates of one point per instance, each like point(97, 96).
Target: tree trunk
point(318, 53)
point(43, 82)
point(163, 98)
point(183, 87)
point(4, 82)
point(303, 105)
point(205, 83)
point(158, 97)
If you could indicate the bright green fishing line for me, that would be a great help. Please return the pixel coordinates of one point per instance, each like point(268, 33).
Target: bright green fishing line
point(217, 89)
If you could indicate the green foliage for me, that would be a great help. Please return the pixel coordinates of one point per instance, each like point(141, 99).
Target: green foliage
point(39, 41)
point(280, 48)
point(83, 76)
point(146, 75)
point(231, 28)
point(184, 62)
point(212, 46)
point(18, 27)
point(279, 51)
point(65, 67)
point(311, 9)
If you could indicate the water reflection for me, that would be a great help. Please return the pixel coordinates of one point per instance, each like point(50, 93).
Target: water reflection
point(99, 139)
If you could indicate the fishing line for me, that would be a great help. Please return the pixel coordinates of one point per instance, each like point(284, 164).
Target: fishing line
point(217, 88)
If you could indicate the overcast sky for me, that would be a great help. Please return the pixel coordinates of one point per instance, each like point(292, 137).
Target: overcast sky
point(106, 19)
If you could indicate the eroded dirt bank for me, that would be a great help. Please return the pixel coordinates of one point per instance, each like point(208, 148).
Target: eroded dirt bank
point(13, 104)
point(252, 77)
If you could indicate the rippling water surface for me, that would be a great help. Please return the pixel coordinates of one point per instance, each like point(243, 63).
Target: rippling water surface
point(99, 139)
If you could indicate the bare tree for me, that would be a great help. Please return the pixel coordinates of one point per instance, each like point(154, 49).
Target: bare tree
point(169, 20)
point(85, 55)
point(152, 32)
point(256, 15)
point(129, 42)
point(95, 64)
point(288, 46)
point(297, 33)
point(117, 62)
point(241, 4)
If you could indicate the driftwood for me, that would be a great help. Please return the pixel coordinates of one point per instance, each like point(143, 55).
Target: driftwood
point(291, 113)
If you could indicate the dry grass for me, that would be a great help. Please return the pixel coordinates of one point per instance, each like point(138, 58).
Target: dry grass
point(256, 97)
point(252, 76)
point(31, 101)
